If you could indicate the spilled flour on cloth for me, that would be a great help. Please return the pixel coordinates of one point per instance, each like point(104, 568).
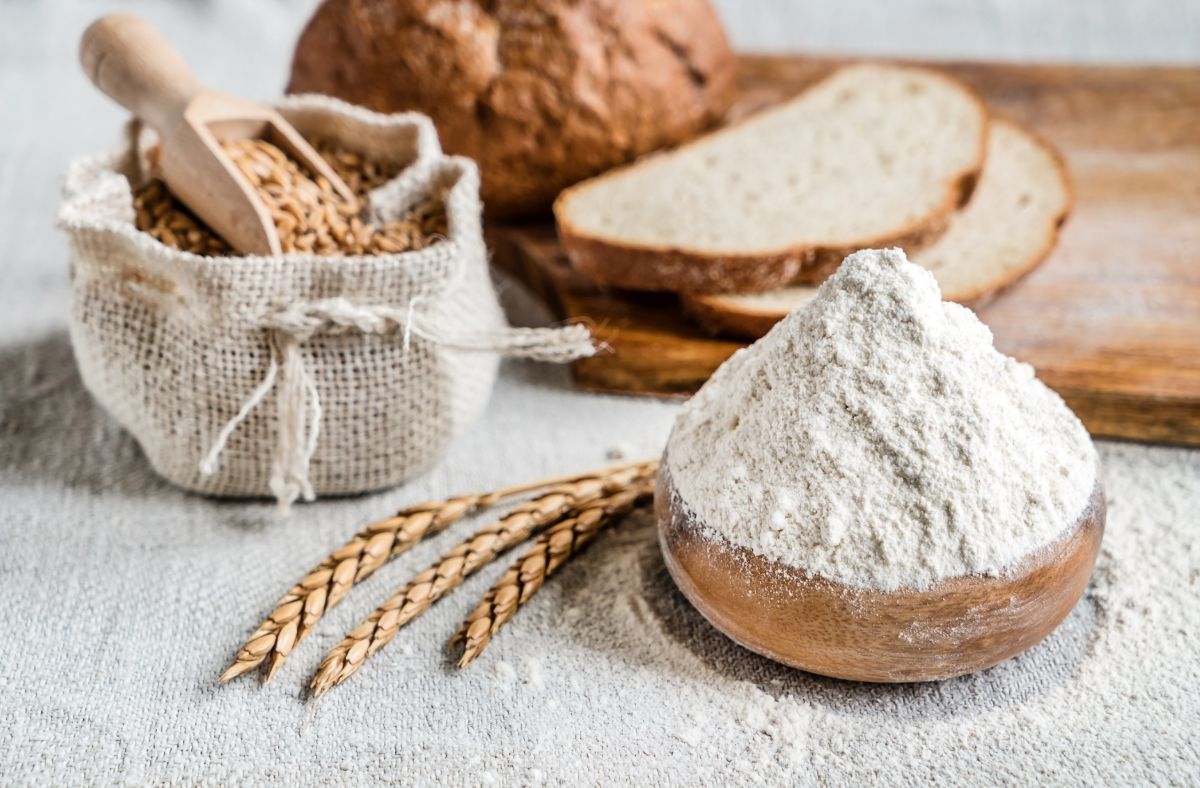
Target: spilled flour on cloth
point(631, 685)
point(1105, 698)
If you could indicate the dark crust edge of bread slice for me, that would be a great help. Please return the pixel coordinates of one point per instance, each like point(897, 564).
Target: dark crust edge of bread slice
point(719, 318)
point(985, 293)
point(664, 268)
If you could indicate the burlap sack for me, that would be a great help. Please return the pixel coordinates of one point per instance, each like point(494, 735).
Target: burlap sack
point(255, 376)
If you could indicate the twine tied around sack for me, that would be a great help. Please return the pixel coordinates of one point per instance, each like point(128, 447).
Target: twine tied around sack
point(299, 402)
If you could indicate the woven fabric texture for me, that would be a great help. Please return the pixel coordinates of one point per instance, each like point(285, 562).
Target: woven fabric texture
point(175, 345)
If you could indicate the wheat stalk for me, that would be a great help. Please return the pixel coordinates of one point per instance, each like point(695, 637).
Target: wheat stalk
point(549, 552)
point(451, 569)
point(326, 584)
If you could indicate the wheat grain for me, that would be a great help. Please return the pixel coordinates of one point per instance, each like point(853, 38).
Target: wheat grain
point(309, 215)
point(549, 552)
point(157, 212)
point(452, 568)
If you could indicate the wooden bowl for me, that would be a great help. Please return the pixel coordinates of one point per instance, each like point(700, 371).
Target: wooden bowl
point(957, 626)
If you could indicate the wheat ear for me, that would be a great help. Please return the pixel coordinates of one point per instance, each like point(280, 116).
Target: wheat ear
point(328, 582)
point(549, 552)
point(528, 518)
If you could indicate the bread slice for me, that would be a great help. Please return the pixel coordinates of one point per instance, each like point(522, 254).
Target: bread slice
point(1007, 228)
point(872, 155)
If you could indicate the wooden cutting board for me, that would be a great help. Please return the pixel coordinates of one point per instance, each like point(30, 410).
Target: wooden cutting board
point(1112, 318)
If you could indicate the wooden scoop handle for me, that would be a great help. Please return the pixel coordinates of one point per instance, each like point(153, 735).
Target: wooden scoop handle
point(127, 58)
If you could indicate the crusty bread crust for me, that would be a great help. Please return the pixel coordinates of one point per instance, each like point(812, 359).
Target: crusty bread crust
point(988, 291)
point(685, 271)
point(540, 93)
point(719, 317)
point(647, 267)
point(722, 316)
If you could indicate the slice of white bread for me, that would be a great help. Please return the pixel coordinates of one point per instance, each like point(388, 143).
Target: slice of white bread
point(1008, 227)
point(872, 155)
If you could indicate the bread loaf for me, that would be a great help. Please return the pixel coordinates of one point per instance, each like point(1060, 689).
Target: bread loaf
point(1009, 227)
point(541, 93)
point(871, 156)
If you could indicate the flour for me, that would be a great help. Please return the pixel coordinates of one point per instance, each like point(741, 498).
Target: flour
point(877, 438)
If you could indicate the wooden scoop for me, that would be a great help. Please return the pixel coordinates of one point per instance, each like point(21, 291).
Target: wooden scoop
point(129, 60)
point(957, 626)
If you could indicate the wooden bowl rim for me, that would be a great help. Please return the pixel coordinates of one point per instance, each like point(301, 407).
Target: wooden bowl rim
point(1093, 513)
point(1037, 594)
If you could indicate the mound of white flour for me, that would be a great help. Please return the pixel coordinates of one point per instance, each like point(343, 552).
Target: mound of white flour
point(877, 438)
